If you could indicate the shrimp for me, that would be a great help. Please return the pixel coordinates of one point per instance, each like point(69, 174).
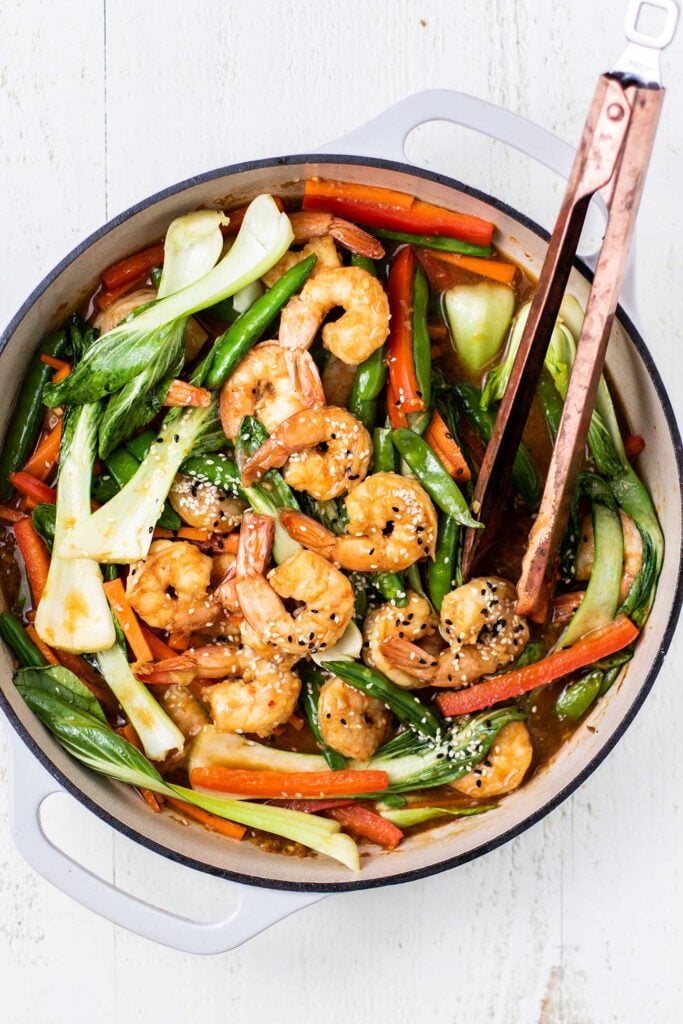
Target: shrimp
point(325, 594)
point(478, 621)
point(324, 250)
point(205, 506)
point(312, 224)
point(633, 553)
point(271, 384)
point(338, 379)
point(170, 588)
point(107, 319)
point(325, 452)
point(391, 523)
point(361, 330)
point(350, 722)
point(413, 623)
point(263, 697)
point(505, 766)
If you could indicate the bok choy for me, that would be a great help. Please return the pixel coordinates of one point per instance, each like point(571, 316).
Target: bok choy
point(479, 316)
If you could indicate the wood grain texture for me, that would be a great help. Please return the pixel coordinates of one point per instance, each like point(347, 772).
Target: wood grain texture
point(579, 920)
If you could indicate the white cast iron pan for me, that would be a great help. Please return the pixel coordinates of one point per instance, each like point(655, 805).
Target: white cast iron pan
point(271, 887)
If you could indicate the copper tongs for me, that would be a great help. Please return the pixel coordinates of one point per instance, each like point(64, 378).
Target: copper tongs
point(611, 161)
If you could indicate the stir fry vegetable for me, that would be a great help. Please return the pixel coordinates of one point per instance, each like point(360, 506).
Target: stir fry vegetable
point(233, 507)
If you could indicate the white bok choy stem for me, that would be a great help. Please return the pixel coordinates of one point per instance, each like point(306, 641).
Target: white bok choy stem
point(73, 613)
point(192, 246)
point(121, 530)
point(158, 734)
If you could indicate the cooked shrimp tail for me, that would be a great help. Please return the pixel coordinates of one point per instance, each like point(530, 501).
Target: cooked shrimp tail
point(309, 532)
point(255, 545)
point(311, 224)
point(409, 658)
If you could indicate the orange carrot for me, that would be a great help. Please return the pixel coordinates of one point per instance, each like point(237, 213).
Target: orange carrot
point(296, 722)
point(127, 620)
point(159, 649)
point(151, 799)
point(397, 417)
point(161, 533)
point(31, 487)
point(496, 270)
point(106, 298)
point(367, 824)
point(56, 364)
point(60, 375)
point(601, 643)
point(140, 264)
point(182, 394)
point(46, 651)
point(44, 459)
point(89, 677)
point(264, 785)
point(358, 193)
point(440, 438)
point(35, 556)
point(210, 821)
point(179, 641)
point(192, 533)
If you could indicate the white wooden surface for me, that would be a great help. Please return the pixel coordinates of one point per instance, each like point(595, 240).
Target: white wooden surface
point(578, 921)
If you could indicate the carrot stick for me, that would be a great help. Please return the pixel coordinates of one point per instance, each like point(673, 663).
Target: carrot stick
point(397, 416)
point(181, 394)
point(105, 298)
point(44, 458)
point(132, 267)
point(56, 364)
point(46, 651)
point(61, 374)
point(593, 647)
point(266, 785)
point(496, 270)
point(31, 487)
point(357, 192)
point(10, 515)
point(178, 641)
point(150, 798)
point(127, 620)
point(210, 821)
point(634, 444)
point(400, 358)
point(296, 722)
point(439, 437)
point(161, 533)
point(159, 649)
point(192, 533)
point(89, 677)
point(367, 824)
point(35, 556)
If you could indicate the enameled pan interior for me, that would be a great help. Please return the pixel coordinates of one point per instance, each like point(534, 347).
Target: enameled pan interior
point(640, 387)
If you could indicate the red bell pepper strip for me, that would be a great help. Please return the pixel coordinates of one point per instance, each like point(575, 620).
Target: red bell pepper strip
point(382, 208)
point(400, 357)
point(139, 265)
point(367, 824)
point(30, 486)
point(267, 785)
point(237, 216)
point(35, 556)
point(634, 444)
point(601, 643)
point(396, 415)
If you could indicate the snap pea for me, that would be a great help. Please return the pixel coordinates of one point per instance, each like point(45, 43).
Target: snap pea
point(104, 487)
point(441, 487)
point(313, 678)
point(217, 469)
point(434, 242)
point(391, 587)
point(407, 708)
point(25, 417)
point(385, 453)
point(16, 637)
point(110, 572)
point(140, 444)
point(524, 475)
point(578, 696)
point(123, 466)
point(442, 572)
point(234, 344)
point(359, 584)
point(414, 579)
point(422, 354)
point(44, 518)
point(371, 374)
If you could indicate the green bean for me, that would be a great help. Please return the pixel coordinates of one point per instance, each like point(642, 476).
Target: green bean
point(123, 466)
point(391, 587)
point(155, 276)
point(233, 345)
point(359, 584)
point(110, 572)
point(104, 487)
point(312, 678)
point(524, 475)
point(26, 415)
point(442, 572)
point(251, 434)
point(16, 637)
point(434, 242)
point(385, 453)
point(140, 444)
point(407, 708)
point(441, 487)
point(371, 374)
point(415, 579)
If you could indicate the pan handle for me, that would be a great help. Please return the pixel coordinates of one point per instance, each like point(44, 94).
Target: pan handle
point(256, 910)
point(385, 136)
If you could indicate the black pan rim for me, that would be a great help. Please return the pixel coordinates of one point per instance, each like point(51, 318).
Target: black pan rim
point(638, 698)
